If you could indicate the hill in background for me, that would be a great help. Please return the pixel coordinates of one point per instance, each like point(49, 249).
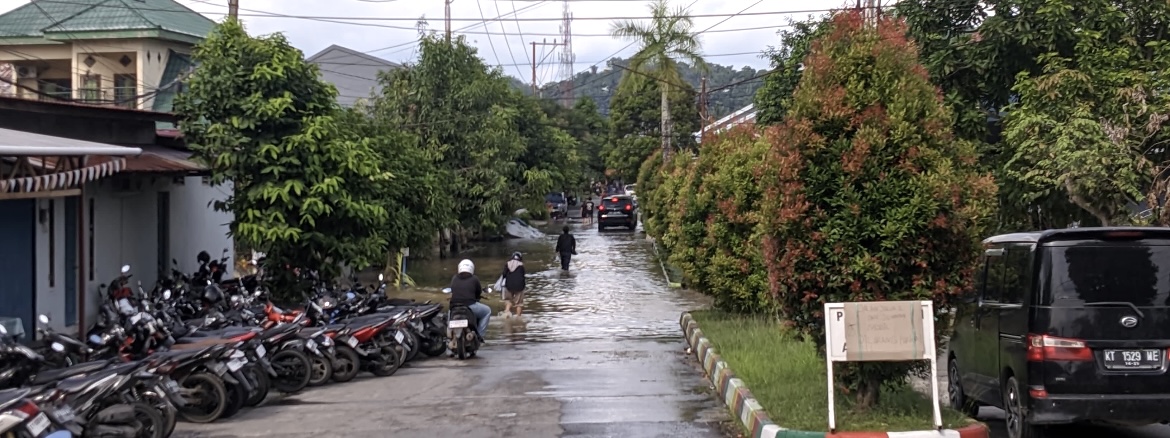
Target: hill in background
point(599, 85)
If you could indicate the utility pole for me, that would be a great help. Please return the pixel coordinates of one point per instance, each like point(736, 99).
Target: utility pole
point(535, 61)
point(234, 9)
point(447, 17)
point(568, 59)
point(703, 109)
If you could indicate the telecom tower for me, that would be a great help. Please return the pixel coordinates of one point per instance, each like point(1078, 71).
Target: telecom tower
point(568, 58)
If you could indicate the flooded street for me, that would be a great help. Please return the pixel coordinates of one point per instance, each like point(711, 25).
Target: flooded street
point(598, 354)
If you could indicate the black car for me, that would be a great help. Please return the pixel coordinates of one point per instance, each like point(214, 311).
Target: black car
point(617, 211)
point(1066, 326)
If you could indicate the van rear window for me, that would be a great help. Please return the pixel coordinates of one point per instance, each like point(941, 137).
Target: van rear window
point(1090, 273)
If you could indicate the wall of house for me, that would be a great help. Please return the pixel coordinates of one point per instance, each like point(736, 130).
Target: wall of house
point(154, 55)
point(125, 223)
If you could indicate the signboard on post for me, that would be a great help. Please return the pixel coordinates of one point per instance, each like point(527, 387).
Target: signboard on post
point(880, 331)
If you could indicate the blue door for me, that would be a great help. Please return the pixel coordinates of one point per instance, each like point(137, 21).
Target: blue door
point(18, 259)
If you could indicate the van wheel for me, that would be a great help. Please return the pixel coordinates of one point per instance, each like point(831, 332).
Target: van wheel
point(958, 398)
point(1015, 418)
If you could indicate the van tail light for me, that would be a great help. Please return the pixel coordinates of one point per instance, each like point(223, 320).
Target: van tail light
point(1042, 348)
point(1037, 391)
point(629, 207)
point(600, 208)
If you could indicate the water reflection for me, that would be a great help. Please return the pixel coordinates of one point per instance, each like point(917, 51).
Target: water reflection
point(613, 291)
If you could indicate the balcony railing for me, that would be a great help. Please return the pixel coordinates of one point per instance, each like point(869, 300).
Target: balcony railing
point(124, 97)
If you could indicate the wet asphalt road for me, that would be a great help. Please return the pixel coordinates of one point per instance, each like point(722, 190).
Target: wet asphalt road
point(994, 418)
point(597, 354)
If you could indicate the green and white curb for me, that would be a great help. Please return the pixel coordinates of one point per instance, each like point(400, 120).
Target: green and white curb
point(736, 396)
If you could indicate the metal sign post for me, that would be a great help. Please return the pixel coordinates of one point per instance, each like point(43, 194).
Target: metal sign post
point(880, 331)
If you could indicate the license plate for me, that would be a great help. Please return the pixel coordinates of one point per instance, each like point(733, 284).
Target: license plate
point(38, 424)
point(458, 323)
point(172, 386)
point(311, 343)
point(399, 337)
point(65, 414)
point(260, 351)
point(352, 342)
point(1133, 359)
point(613, 215)
point(218, 368)
point(236, 364)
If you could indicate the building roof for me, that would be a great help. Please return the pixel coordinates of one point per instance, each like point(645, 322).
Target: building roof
point(741, 116)
point(355, 74)
point(20, 143)
point(57, 20)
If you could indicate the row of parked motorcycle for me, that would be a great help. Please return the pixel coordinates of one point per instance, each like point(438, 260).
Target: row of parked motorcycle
point(200, 348)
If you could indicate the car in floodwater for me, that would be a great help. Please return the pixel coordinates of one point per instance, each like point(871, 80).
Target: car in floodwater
point(1066, 326)
point(617, 211)
point(557, 205)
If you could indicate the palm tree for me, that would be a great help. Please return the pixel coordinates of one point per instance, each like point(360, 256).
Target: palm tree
point(666, 40)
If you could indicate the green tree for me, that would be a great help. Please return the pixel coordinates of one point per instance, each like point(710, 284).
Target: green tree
point(771, 100)
point(591, 131)
point(1091, 126)
point(635, 126)
point(665, 41)
point(462, 113)
point(259, 116)
point(868, 195)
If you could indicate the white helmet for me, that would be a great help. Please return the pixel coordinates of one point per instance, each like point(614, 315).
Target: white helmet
point(466, 266)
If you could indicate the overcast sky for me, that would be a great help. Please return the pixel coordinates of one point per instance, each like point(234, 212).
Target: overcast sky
point(373, 26)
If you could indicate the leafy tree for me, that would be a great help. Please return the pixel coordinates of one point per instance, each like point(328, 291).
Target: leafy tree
point(667, 39)
point(651, 175)
point(551, 160)
point(259, 116)
point(635, 126)
point(868, 195)
point(591, 131)
point(1087, 127)
point(772, 98)
point(461, 111)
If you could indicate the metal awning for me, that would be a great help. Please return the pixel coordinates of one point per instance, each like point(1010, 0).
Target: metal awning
point(44, 163)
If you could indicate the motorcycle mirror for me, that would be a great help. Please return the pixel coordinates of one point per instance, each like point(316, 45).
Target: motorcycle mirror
point(381, 277)
point(125, 269)
point(43, 319)
point(167, 294)
point(58, 347)
point(446, 290)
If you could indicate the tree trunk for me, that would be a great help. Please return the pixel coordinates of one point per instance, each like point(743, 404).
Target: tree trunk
point(1084, 204)
point(666, 149)
point(868, 393)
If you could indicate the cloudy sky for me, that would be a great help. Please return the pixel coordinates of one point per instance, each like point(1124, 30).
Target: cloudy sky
point(387, 28)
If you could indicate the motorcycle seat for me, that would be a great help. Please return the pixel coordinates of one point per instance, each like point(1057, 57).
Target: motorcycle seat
point(9, 397)
point(77, 384)
point(336, 327)
point(229, 332)
point(48, 376)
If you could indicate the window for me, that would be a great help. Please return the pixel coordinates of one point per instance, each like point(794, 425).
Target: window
point(55, 89)
point(1017, 281)
point(126, 91)
point(992, 289)
point(1086, 273)
point(91, 88)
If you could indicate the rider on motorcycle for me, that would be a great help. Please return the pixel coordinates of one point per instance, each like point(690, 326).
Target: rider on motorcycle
point(466, 291)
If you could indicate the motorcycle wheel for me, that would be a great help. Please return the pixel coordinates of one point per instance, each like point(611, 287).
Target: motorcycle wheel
point(461, 345)
point(263, 384)
point(210, 401)
point(237, 397)
point(322, 370)
point(434, 347)
point(415, 344)
point(387, 363)
point(292, 370)
point(346, 364)
point(150, 422)
point(170, 414)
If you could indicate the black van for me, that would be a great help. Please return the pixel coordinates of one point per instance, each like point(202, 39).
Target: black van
point(1066, 326)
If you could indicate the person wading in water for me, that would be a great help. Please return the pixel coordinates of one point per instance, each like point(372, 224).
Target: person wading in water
point(566, 248)
point(514, 285)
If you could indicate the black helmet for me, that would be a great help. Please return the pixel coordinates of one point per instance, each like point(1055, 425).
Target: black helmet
point(203, 257)
point(517, 256)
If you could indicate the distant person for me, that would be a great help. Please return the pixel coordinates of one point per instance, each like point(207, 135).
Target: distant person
point(566, 247)
point(514, 285)
point(587, 211)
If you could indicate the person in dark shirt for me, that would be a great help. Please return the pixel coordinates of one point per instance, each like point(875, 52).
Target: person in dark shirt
point(466, 290)
point(514, 285)
point(566, 247)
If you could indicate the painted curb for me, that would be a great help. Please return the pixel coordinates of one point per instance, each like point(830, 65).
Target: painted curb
point(736, 396)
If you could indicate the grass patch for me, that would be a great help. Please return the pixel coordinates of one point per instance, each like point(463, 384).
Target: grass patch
point(787, 377)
